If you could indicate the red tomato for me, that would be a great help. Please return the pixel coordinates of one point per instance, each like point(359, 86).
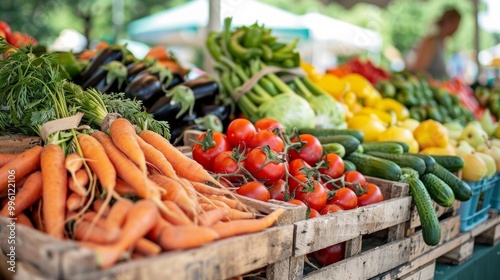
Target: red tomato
point(224, 163)
point(331, 208)
point(277, 190)
point(5, 29)
point(268, 124)
point(310, 151)
point(345, 198)
point(330, 254)
point(210, 144)
point(255, 190)
point(264, 165)
point(313, 213)
point(353, 177)
point(333, 165)
point(240, 131)
point(297, 166)
point(266, 137)
point(296, 202)
point(372, 195)
point(313, 194)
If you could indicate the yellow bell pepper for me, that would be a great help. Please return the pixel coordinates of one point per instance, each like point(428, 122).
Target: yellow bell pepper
point(389, 104)
point(431, 133)
point(384, 116)
point(332, 84)
point(310, 71)
point(401, 134)
point(371, 126)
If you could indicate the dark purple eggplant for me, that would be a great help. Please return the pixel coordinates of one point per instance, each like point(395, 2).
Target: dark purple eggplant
point(135, 69)
point(176, 80)
point(93, 71)
point(223, 112)
point(145, 87)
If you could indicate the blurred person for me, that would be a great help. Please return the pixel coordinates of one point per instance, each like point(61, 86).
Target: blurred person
point(429, 55)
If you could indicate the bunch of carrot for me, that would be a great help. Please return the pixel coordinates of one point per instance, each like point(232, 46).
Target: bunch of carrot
point(123, 195)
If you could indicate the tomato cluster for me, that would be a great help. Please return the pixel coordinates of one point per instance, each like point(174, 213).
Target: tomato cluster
point(16, 39)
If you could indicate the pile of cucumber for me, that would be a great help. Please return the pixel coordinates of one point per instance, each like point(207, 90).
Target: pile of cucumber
point(430, 177)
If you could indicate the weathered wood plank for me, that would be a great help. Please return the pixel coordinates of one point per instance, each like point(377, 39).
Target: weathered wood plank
point(334, 228)
point(15, 144)
point(219, 260)
point(278, 270)
point(27, 271)
point(440, 211)
point(450, 228)
point(458, 255)
point(491, 222)
point(490, 236)
point(424, 273)
point(367, 264)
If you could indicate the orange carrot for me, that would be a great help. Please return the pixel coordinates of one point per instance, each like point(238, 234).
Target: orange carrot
point(207, 190)
point(27, 195)
point(37, 215)
point(100, 207)
point(55, 186)
point(99, 162)
point(185, 237)
point(75, 201)
point(210, 217)
point(233, 203)
point(126, 170)
point(24, 220)
point(137, 256)
point(239, 227)
point(183, 166)
point(234, 214)
point(18, 185)
point(146, 247)
point(175, 192)
point(154, 233)
point(6, 158)
point(78, 182)
point(125, 139)
point(19, 167)
point(139, 221)
point(117, 214)
point(178, 217)
point(90, 216)
point(73, 163)
point(124, 189)
point(85, 231)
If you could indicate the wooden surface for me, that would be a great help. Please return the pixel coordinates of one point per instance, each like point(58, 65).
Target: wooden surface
point(15, 144)
point(424, 273)
point(458, 255)
point(440, 212)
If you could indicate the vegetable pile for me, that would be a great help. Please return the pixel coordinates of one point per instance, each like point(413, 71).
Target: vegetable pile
point(244, 55)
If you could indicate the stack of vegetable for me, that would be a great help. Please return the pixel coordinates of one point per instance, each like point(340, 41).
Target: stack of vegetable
point(365, 68)
point(243, 53)
point(113, 185)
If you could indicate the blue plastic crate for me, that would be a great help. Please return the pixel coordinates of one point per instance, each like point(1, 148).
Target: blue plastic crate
point(475, 210)
point(495, 197)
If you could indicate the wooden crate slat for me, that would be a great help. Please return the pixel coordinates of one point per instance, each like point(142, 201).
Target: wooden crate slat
point(490, 236)
point(424, 273)
point(219, 260)
point(15, 144)
point(367, 264)
point(440, 211)
point(318, 233)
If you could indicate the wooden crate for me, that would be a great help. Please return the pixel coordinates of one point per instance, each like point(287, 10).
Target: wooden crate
point(15, 144)
point(46, 258)
point(441, 212)
point(375, 255)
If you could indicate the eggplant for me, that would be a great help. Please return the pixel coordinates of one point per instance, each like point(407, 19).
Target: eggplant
point(93, 70)
point(135, 69)
point(205, 90)
point(145, 87)
point(223, 112)
point(176, 80)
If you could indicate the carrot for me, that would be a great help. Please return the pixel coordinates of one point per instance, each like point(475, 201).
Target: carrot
point(183, 166)
point(232, 203)
point(78, 182)
point(101, 207)
point(126, 170)
point(239, 227)
point(139, 221)
point(207, 190)
point(146, 247)
point(85, 231)
point(210, 217)
point(55, 186)
point(27, 195)
point(124, 189)
point(117, 214)
point(125, 138)
point(73, 163)
point(99, 162)
point(90, 216)
point(185, 237)
point(24, 220)
point(75, 201)
point(178, 217)
point(37, 215)
point(18, 185)
point(175, 192)
point(154, 233)
point(158, 52)
point(6, 158)
point(137, 256)
point(234, 214)
point(22, 165)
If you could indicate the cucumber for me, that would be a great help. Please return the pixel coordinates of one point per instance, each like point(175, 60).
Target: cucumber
point(350, 143)
point(334, 148)
point(431, 230)
point(325, 132)
point(412, 162)
point(439, 191)
point(348, 166)
point(462, 191)
point(375, 166)
point(385, 147)
point(430, 163)
point(451, 163)
point(405, 146)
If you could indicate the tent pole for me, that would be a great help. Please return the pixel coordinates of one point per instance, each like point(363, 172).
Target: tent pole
point(214, 24)
point(475, 4)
